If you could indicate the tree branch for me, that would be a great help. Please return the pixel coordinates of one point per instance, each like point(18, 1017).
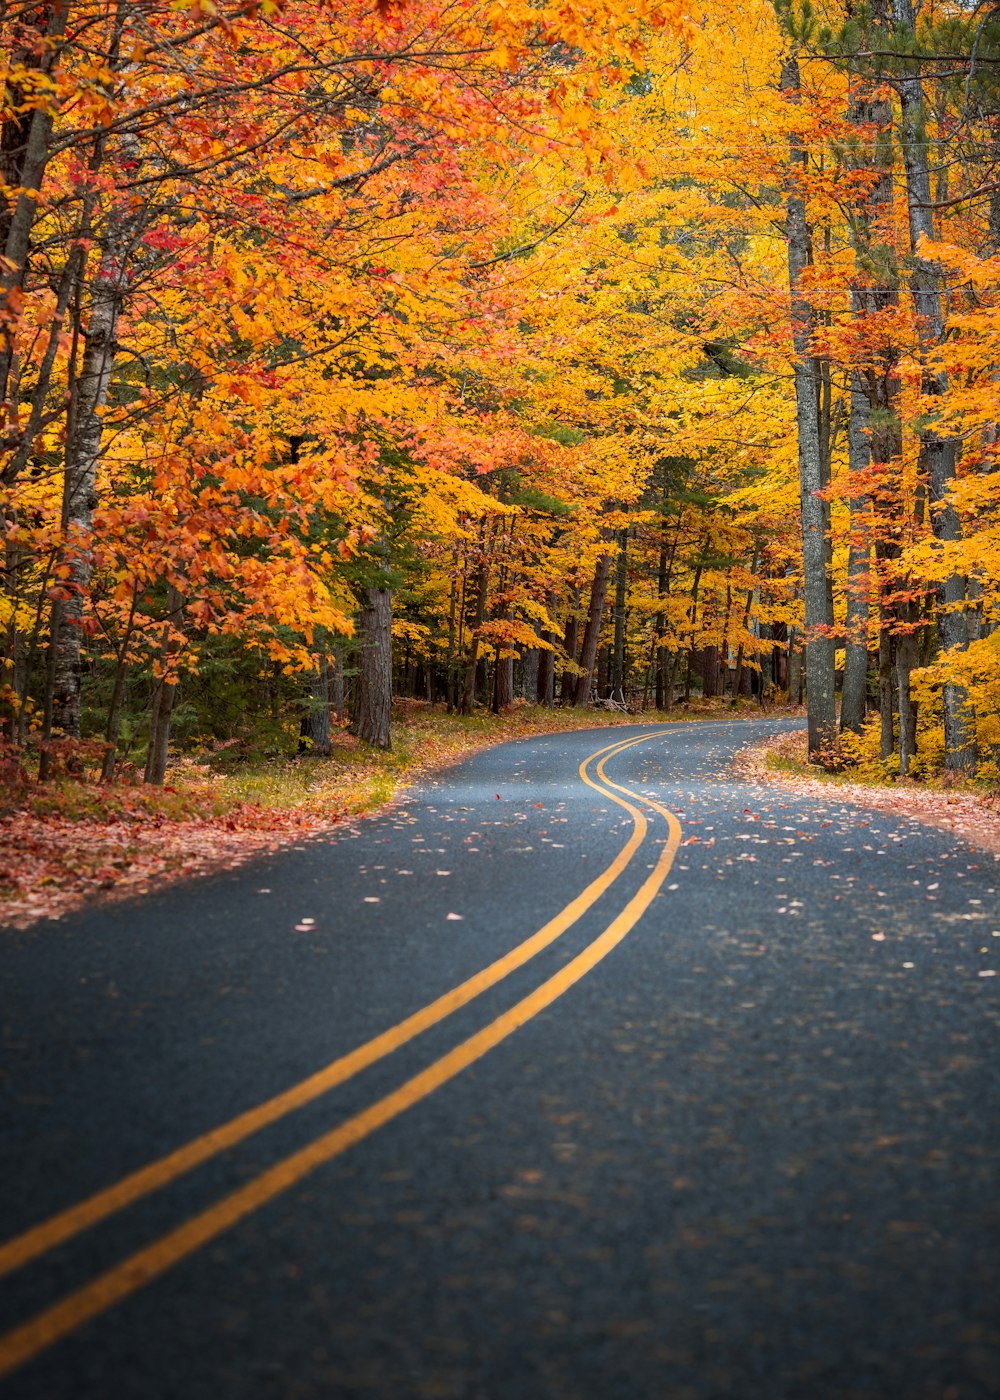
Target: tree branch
point(527, 247)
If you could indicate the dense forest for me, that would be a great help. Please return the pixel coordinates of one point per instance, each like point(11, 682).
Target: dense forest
point(480, 350)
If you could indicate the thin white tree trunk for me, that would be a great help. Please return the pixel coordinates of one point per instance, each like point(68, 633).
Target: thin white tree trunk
point(79, 494)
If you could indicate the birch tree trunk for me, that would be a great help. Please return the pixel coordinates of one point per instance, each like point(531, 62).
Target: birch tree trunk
point(79, 491)
point(816, 547)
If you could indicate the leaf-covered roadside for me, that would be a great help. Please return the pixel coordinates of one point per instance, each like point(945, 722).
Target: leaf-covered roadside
point(66, 842)
point(970, 811)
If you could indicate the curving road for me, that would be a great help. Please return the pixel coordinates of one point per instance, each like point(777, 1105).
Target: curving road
point(593, 1073)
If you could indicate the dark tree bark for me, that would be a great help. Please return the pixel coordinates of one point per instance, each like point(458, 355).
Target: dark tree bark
point(886, 690)
point(164, 694)
point(816, 546)
point(338, 698)
point(372, 720)
point(113, 729)
point(546, 678)
point(940, 450)
point(739, 678)
point(853, 696)
point(592, 632)
point(469, 689)
point(25, 143)
point(570, 637)
point(503, 684)
point(314, 735)
point(906, 660)
point(529, 672)
point(708, 665)
point(795, 667)
point(617, 677)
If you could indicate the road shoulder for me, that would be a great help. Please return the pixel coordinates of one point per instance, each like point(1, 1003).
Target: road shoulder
point(972, 815)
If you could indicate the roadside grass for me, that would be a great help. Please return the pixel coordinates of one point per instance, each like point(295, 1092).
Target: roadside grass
point(228, 780)
point(355, 779)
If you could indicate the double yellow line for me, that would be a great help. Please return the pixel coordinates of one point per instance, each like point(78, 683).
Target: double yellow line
point(118, 1282)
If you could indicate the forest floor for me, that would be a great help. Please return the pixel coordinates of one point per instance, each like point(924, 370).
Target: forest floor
point(69, 841)
point(968, 809)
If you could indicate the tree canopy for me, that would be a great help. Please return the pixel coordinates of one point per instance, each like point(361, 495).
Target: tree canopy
point(572, 352)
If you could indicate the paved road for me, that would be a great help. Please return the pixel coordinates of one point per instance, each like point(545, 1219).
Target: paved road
point(728, 1127)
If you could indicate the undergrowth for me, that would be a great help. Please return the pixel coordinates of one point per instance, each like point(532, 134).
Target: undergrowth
point(858, 760)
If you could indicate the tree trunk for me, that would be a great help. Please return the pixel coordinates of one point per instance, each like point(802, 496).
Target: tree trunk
point(450, 685)
point(794, 668)
point(886, 686)
point(671, 678)
point(547, 660)
point(25, 142)
point(592, 632)
point(940, 451)
point(570, 635)
point(503, 683)
point(314, 734)
point(164, 694)
point(816, 546)
point(24, 163)
point(741, 650)
point(337, 696)
point(372, 720)
point(707, 665)
point(906, 660)
point(529, 673)
point(469, 689)
point(853, 697)
point(659, 650)
point(79, 492)
point(617, 678)
point(113, 730)
point(873, 387)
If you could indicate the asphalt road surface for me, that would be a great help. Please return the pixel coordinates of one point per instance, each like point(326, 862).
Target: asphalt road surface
point(566, 1080)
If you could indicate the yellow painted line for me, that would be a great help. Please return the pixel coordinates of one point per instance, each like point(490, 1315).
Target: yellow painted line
point(124, 1279)
point(17, 1252)
point(639, 796)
